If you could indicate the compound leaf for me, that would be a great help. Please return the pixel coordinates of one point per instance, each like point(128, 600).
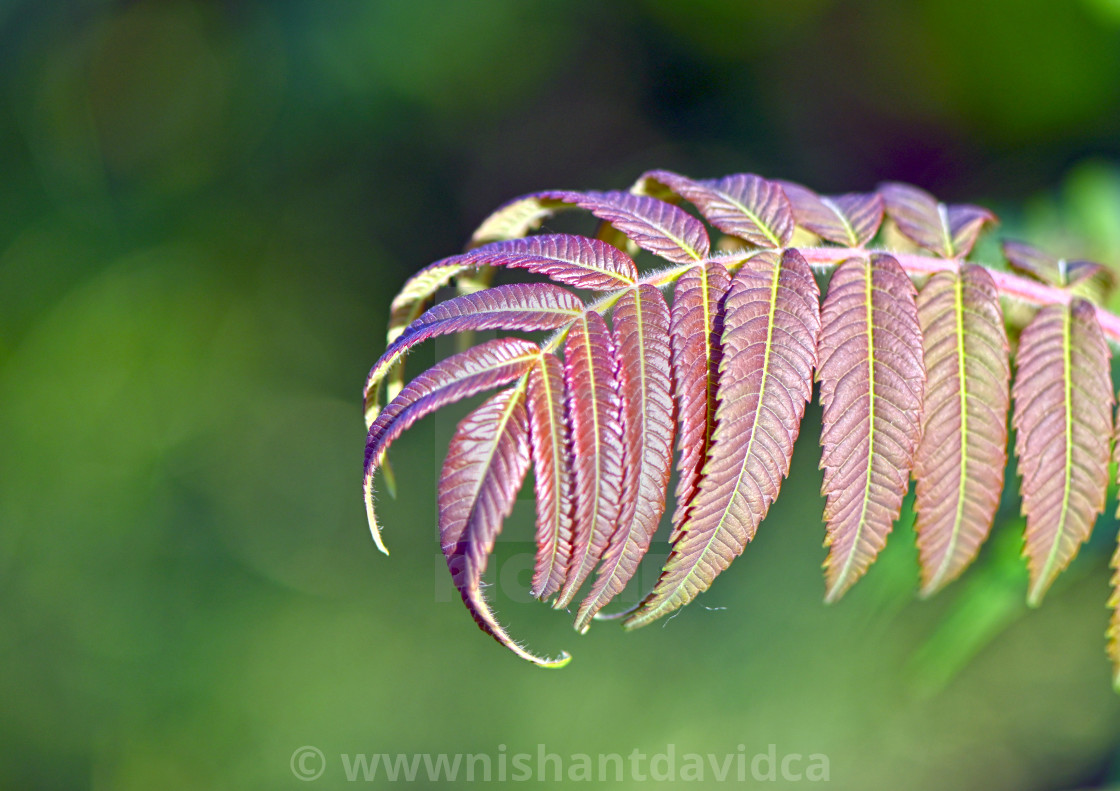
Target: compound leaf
point(734, 358)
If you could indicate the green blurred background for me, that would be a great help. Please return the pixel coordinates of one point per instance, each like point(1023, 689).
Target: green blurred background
point(205, 209)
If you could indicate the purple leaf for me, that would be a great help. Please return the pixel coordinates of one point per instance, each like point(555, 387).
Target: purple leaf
point(1063, 426)
point(1056, 271)
point(960, 461)
point(641, 328)
point(595, 417)
point(548, 437)
point(948, 231)
point(565, 258)
point(485, 466)
point(772, 319)
point(744, 205)
point(572, 260)
point(872, 381)
point(522, 306)
point(653, 225)
point(696, 331)
point(852, 219)
point(490, 364)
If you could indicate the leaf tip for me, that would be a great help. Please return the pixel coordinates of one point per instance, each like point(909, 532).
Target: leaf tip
point(375, 531)
point(935, 582)
point(640, 616)
point(557, 663)
point(836, 588)
point(585, 615)
point(484, 617)
point(371, 466)
point(371, 517)
point(1036, 594)
point(929, 589)
point(1039, 585)
point(630, 624)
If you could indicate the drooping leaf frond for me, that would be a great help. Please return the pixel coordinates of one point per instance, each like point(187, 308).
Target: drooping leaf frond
point(912, 383)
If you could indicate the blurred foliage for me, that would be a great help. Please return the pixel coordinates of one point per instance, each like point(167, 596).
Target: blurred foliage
point(205, 208)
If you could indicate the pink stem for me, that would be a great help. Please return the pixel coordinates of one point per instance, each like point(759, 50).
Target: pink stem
point(1009, 285)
